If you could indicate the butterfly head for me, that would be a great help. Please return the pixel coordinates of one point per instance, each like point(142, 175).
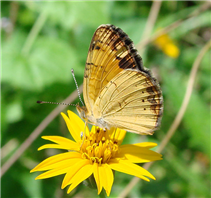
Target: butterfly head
point(82, 111)
point(90, 118)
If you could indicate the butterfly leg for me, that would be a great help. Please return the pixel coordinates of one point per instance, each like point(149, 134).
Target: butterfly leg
point(114, 135)
point(84, 134)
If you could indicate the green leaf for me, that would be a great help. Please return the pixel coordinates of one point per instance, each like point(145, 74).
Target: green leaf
point(50, 61)
point(190, 174)
point(68, 14)
point(14, 111)
point(32, 187)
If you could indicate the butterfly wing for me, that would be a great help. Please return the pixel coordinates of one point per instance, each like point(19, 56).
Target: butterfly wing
point(131, 101)
point(118, 90)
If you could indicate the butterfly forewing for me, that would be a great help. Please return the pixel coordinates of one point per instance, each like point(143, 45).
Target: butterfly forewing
point(107, 51)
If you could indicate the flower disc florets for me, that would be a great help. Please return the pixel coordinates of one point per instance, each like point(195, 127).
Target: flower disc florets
point(98, 146)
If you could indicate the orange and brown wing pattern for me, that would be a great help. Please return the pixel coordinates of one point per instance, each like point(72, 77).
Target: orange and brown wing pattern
point(118, 90)
point(110, 52)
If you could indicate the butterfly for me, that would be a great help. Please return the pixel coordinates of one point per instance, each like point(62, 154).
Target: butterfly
point(118, 91)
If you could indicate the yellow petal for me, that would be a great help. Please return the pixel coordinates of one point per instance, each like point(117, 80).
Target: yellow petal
point(74, 169)
point(165, 43)
point(106, 178)
point(78, 122)
point(80, 176)
point(72, 147)
point(127, 167)
point(146, 144)
point(97, 177)
point(162, 40)
point(63, 143)
point(117, 134)
point(74, 128)
point(138, 153)
point(171, 50)
point(44, 165)
point(93, 129)
point(53, 172)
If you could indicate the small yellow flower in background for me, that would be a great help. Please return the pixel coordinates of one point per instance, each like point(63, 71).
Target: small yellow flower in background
point(165, 43)
point(100, 153)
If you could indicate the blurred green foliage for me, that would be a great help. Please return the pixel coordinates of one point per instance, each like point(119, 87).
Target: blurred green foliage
point(42, 41)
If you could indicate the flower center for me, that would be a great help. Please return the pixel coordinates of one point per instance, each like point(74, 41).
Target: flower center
point(98, 146)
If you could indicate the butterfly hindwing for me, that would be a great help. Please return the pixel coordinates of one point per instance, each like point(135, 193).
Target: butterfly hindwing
point(131, 102)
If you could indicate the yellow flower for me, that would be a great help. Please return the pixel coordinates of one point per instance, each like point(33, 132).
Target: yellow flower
point(99, 154)
point(165, 43)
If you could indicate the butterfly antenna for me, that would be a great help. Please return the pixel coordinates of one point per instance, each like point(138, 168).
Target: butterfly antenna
point(76, 84)
point(58, 103)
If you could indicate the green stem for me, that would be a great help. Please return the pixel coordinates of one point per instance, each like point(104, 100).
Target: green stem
point(90, 182)
point(103, 194)
point(34, 32)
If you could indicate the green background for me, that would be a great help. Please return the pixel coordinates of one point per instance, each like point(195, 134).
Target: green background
point(40, 69)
